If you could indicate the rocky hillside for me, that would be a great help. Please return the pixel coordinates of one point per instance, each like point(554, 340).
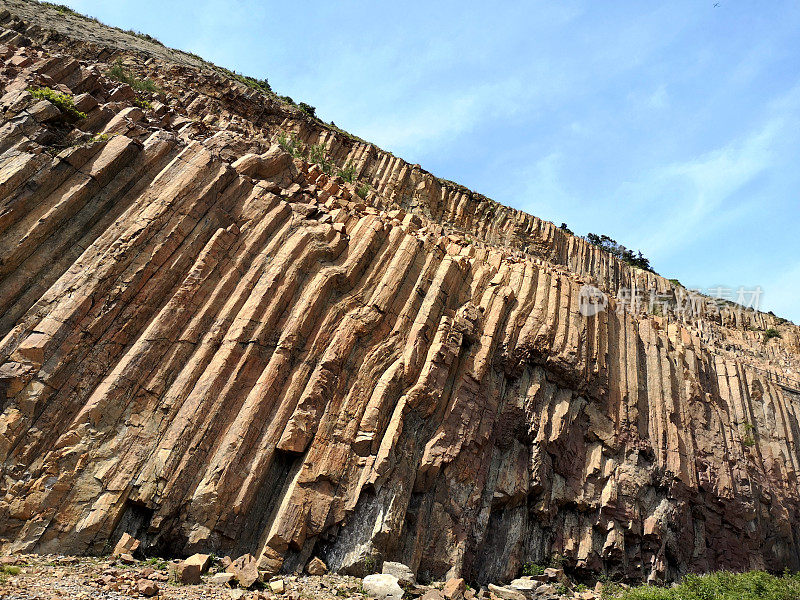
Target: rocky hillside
point(228, 327)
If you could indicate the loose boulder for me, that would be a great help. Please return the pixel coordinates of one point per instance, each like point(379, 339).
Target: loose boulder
point(244, 570)
point(382, 587)
point(454, 589)
point(316, 567)
point(504, 593)
point(127, 544)
point(146, 587)
point(221, 578)
point(526, 585)
point(190, 570)
point(405, 576)
point(187, 573)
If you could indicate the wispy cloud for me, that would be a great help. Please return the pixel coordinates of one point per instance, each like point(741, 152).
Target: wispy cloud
point(422, 127)
point(689, 196)
point(659, 98)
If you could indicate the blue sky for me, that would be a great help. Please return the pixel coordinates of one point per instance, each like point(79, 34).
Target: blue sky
point(673, 127)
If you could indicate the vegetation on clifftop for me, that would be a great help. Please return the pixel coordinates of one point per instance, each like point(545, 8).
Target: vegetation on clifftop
point(615, 248)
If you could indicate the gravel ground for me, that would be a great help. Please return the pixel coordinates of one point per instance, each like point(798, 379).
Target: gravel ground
point(72, 578)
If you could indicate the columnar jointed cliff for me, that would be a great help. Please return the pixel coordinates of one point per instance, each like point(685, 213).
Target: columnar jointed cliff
point(212, 345)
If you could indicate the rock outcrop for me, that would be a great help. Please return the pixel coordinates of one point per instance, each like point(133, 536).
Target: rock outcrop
point(213, 346)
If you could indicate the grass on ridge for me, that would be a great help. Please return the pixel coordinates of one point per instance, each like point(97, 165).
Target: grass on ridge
point(118, 72)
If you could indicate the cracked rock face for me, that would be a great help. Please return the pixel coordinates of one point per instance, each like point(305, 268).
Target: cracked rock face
point(212, 346)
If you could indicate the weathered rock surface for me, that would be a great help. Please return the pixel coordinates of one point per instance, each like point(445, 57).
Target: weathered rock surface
point(214, 347)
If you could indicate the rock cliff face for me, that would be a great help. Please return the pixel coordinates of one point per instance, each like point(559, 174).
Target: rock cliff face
point(214, 346)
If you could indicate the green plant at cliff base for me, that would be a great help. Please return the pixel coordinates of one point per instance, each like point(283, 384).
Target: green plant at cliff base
point(6, 570)
point(753, 585)
point(369, 564)
point(532, 569)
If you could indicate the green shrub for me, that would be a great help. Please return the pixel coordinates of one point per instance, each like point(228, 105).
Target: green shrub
point(362, 190)
point(369, 564)
point(564, 227)
point(557, 561)
point(675, 282)
point(63, 101)
point(613, 247)
point(261, 85)
point(754, 585)
point(317, 155)
point(348, 171)
point(143, 104)
point(118, 73)
point(771, 333)
point(532, 569)
point(156, 562)
point(291, 144)
point(10, 570)
point(308, 109)
point(747, 434)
